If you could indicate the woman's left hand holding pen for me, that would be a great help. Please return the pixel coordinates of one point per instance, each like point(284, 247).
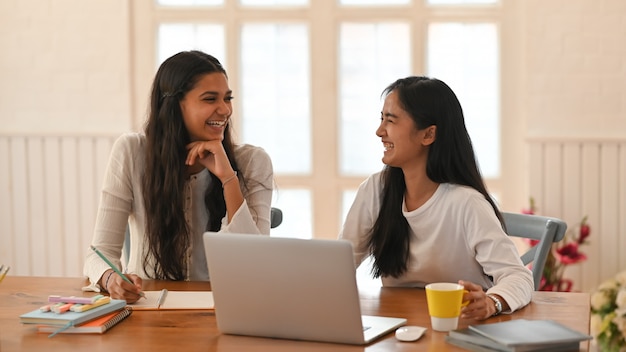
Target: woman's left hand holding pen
point(120, 289)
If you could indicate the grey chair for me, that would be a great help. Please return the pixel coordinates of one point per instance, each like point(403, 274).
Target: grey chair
point(545, 230)
point(276, 218)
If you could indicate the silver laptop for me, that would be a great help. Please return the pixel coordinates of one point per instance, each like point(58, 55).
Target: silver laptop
point(289, 288)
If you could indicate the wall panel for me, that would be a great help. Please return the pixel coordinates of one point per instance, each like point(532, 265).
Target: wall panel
point(49, 193)
point(573, 178)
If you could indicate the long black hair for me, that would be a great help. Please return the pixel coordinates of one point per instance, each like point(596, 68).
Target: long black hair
point(450, 159)
point(167, 233)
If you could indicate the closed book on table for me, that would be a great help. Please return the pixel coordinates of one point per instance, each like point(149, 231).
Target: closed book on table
point(96, 326)
point(71, 318)
point(469, 340)
point(519, 335)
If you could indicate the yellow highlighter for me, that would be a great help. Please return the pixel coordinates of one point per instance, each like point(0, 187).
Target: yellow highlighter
point(84, 307)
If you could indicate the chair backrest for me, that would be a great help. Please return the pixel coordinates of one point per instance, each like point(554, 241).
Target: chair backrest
point(276, 217)
point(545, 230)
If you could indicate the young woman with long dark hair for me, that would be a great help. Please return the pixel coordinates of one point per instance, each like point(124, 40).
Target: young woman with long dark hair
point(182, 176)
point(427, 217)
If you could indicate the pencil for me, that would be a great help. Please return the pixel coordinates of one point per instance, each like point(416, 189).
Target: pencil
point(162, 298)
point(3, 271)
point(115, 269)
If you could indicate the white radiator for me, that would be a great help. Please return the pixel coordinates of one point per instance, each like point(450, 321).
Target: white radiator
point(573, 178)
point(49, 192)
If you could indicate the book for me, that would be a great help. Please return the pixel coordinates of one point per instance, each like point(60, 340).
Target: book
point(471, 346)
point(71, 318)
point(519, 335)
point(96, 326)
point(174, 300)
point(519, 332)
point(472, 341)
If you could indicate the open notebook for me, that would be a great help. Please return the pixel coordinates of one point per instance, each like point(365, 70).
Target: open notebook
point(174, 300)
point(289, 288)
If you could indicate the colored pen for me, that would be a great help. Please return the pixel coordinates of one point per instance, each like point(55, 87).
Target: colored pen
point(3, 271)
point(161, 298)
point(51, 307)
point(74, 299)
point(114, 268)
point(83, 307)
point(62, 308)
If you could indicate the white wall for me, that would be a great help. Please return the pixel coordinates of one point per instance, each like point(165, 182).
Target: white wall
point(575, 68)
point(64, 67)
point(575, 110)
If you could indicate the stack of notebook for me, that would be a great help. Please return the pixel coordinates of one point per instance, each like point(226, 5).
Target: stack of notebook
point(518, 335)
point(96, 326)
point(77, 314)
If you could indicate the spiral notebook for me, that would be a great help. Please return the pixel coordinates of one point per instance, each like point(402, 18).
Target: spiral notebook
point(97, 326)
point(71, 318)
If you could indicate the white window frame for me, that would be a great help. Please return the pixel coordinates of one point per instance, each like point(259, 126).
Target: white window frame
point(324, 17)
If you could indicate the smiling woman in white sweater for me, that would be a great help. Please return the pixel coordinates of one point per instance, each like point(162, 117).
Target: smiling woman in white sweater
point(427, 217)
point(183, 176)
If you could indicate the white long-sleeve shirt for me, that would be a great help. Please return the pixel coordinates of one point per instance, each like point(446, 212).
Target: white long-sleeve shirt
point(121, 205)
point(455, 236)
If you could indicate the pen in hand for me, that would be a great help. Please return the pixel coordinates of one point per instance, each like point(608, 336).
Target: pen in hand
point(115, 269)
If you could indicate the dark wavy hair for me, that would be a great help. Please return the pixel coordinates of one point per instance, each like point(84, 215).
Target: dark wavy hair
point(167, 233)
point(450, 159)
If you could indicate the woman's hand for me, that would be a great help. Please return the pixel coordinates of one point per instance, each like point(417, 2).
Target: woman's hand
point(120, 289)
point(210, 154)
point(480, 306)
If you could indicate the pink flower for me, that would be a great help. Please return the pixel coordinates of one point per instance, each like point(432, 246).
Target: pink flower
point(569, 254)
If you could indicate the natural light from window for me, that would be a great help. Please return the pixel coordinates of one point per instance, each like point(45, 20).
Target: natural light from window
point(465, 56)
point(372, 55)
point(177, 37)
point(275, 91)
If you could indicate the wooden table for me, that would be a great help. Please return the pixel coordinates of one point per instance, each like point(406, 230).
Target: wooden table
point(187, 331)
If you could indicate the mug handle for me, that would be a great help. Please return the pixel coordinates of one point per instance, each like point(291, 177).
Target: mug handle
point(464, 303)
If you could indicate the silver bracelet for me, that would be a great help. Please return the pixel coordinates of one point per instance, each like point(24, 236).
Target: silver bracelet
point(229, 179)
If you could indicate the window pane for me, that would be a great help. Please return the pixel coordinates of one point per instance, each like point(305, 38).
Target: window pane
point(297, 214)
point(369, 62)
point(190, 2)
point(274, 2)
point(465, 56)
point(373, 2)
point(346, 202)
point(177, 37)
point(275, 94)
point(461, 2)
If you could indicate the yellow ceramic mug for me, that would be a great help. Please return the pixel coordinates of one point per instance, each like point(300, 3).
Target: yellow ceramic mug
point(445, 300)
